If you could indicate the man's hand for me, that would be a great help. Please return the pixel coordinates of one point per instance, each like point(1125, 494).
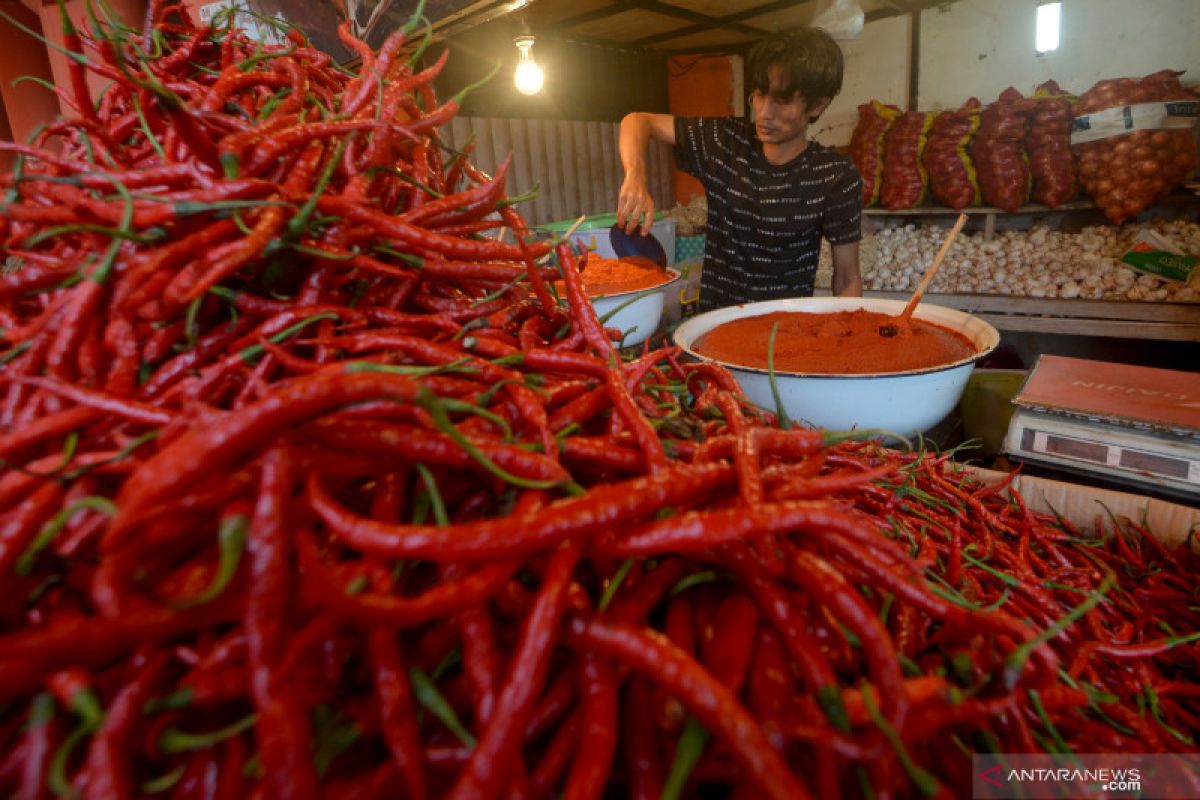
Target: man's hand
point(634, 205)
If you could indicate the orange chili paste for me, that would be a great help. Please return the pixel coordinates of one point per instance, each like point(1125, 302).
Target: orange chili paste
point(605, 276)
point(837, 343)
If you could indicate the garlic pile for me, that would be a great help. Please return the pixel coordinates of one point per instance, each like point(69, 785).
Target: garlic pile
point(1038, 262)
point(690, 219)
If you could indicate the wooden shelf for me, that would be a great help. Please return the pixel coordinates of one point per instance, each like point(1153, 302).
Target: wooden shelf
point(1033, 208)
point(1178, 322)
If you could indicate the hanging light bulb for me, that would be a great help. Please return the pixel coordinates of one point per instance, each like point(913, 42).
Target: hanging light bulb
point(528, 78)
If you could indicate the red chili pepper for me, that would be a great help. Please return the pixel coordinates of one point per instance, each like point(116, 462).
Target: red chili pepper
point(202, 452)
point(102, 401)
point(642, 758)
point(38, 744)
point(108, 766)
point(704, 696)
point(486, 773)
point(728, 657)
point(832, 589)
point(21, 524)
point(481, 658)
point(557, 758)
point(601, 509)
point(407, 612)
point(397, 709)
point(556, 702)
point(282, 726)
point(418, 237)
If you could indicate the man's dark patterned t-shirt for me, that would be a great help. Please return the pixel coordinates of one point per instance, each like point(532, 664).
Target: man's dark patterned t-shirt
point(765, 221)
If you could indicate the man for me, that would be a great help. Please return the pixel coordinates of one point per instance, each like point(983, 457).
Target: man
point(772, 194)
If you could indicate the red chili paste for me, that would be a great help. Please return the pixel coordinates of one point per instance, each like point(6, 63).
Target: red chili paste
point(605, 276)
point(837, 343)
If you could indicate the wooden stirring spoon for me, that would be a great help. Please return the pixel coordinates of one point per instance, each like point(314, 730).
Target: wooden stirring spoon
point(890, 329)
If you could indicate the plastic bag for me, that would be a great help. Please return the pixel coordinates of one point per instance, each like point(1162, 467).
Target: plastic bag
point(841, 19)
point(1134, 141)
point(1152, 253)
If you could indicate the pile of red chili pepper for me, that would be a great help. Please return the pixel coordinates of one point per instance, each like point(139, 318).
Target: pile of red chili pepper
point(312, 486)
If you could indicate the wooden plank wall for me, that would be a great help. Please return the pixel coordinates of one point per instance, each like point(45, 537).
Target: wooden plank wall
point(575, 164)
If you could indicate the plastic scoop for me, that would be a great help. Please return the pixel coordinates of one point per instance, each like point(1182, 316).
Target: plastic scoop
point(646, 246)
point(890, 329)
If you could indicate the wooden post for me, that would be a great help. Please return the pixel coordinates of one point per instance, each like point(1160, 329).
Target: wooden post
point(989, 226)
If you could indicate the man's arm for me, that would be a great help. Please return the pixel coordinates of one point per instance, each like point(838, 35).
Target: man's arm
point(847, 282)
point(634, 202)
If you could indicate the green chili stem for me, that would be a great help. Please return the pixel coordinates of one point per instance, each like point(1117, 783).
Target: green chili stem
point(399, 369)
point(1156, 712)
point(300, 221)
point(435, 496)
point(123, 453)
point(255, 350)
point(333, 738)
point(1015, 661)
point(174, 740)
point(145, 126)
point(434, 405)
point(781, 415)
point(458, 98)
point(610, 589)
point(428, 696)
point(487, 298)
point(231, 543)
point(1055, 736)
point(829, 699)
point(463, 406)
point(925, 782)
point(51, 529)
point(56, 775)
point(613, 311)
point(1010, 580)
point(164, 782)
point(695, 579)
point(692, 741)
point(174, 701)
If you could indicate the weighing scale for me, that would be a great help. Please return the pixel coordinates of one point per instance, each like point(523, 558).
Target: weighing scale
point(1138, 426)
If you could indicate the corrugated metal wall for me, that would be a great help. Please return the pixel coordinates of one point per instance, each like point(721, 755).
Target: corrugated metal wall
point(575, 164)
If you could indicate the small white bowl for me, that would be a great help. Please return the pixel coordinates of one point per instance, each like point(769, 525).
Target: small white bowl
point(637, 314)
point(902, 403)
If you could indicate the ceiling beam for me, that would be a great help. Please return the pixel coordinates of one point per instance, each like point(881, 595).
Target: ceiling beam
point(590, 16)
point(739, 48)
point(669, 10)
point(749, 13)
point(913, 6)
point(455, 16)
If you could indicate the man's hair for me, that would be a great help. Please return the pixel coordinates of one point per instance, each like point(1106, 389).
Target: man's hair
point(811, 62)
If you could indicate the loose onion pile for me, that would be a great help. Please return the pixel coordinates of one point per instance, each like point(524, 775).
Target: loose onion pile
point(310, 490)
point(1039, 262)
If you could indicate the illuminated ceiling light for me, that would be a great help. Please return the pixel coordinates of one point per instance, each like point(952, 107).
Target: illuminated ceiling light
point(1049, 17)
point(528, 78)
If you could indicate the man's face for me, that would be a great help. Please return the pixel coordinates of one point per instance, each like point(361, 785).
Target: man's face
point(780, 116)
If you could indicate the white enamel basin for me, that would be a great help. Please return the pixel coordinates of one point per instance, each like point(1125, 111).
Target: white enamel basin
point(638, 313)
point(902, 403)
